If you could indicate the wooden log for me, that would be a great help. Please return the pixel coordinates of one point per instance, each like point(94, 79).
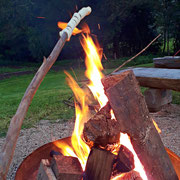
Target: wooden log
point(101, 129)
point(157, 77)
point(124, 162)
point(45, 172)
point(133, 117)
point(170, 62)
point(66, 168)
point(99, 165)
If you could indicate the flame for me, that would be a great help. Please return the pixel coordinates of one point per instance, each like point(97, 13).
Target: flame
point(156, 126)
point(94, 73)
point(79, 148)
point(94, 70)
point(63, 25)
point(85, 28)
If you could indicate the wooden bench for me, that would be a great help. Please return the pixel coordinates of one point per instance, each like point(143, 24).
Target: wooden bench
point(160, 81)
point(170, 62)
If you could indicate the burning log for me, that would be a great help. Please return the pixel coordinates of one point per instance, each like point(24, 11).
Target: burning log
point(133, 117)
point(124, 161)
point(45, 172)
point(66, 167)
point(101, 129)
point(99, 165)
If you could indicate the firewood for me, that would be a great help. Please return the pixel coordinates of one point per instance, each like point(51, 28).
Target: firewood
point(133, 118)
point(124, 162)
point(66, 168)
point(45, 172)
point(99, 165)
point(101, 129)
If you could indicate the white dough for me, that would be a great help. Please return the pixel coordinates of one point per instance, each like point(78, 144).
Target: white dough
point(75, 20)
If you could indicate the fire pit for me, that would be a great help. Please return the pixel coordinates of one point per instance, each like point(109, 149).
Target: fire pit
point(29, 167)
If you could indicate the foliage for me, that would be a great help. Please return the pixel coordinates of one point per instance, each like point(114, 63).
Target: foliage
point(28, 28)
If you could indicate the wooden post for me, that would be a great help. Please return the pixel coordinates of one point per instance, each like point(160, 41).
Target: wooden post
point(133, 117)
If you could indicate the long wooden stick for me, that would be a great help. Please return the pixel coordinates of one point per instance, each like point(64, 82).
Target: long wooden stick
point(17, 120)
point(122, 65)
point(7, 153)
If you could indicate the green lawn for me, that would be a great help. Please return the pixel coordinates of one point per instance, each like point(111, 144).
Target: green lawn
point(47, 102)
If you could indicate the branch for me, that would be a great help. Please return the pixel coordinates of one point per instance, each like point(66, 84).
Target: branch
point(122, 65)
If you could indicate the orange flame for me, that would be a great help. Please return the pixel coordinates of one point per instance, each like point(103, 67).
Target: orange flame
point(156, 126)
point(79, 148)
point(94, 73)
point(94, 70)
point(85, 28)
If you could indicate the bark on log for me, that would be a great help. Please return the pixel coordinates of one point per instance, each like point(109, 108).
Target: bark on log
point(45, 172)
point(66, 168)
point(133, 117)
point(101, 129)
point(99, 165)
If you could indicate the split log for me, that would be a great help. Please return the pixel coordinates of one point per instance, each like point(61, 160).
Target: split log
point(101, 129)
point(133, 118)
point(124, 162)
point(45, 172)
point(99, 165)
point(66, 167)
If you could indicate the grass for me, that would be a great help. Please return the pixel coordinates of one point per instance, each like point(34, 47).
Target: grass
point(48, 101)
point(111, 64)
point(5, 69)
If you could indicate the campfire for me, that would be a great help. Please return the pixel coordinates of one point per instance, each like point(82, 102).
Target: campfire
point(116, 140)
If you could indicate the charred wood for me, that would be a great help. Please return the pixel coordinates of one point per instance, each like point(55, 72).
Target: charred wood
point(66, 168)
point(101, 129)
point(124, 162)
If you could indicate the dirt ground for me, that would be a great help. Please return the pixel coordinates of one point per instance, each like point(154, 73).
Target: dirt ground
point(168, 120)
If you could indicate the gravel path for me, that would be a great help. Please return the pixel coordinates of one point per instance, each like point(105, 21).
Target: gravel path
point(168, 121)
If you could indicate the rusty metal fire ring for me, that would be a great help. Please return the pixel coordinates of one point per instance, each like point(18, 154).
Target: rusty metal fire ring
point(29, 167)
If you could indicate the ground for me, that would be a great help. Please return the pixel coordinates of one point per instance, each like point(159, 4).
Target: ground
point(168, 120)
